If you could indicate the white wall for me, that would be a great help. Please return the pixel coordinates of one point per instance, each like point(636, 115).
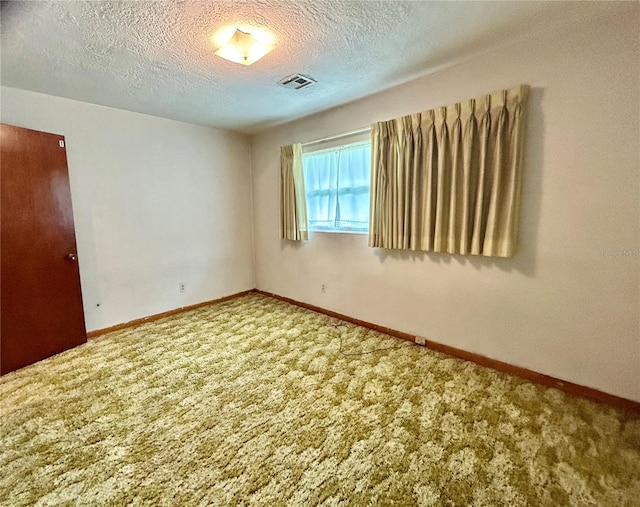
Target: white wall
point(560, 306)
point(156, 203)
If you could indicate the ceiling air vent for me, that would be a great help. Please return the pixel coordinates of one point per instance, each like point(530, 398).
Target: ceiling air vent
point(296, 81)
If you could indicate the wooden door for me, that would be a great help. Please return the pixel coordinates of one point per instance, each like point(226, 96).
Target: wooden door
point(40, 298)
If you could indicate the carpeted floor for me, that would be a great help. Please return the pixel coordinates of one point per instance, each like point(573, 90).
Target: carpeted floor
point(251, 402)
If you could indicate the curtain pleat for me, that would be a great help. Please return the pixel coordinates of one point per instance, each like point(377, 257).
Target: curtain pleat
point(448, 179)
point(293, 207)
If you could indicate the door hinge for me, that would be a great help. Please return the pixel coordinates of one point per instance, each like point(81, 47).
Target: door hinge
point(61, 143)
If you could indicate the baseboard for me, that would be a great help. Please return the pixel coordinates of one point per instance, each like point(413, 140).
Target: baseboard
point(533, 376)
point(151, 318)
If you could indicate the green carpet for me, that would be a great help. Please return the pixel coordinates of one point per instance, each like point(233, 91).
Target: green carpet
point(250, 402)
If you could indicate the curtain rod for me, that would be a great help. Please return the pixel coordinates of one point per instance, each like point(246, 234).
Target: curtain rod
point(338, 136)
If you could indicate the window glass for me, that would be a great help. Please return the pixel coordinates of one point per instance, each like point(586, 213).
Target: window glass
point(337, 186)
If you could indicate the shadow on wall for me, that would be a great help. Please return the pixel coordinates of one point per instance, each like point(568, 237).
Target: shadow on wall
point(295, 245)
point(524, 261)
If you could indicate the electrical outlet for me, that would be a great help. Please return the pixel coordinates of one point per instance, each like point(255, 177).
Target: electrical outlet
point(181, 287)
point(420, 340)
point(323, 288)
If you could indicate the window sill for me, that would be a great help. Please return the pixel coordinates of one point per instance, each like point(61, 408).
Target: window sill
point(337, 231)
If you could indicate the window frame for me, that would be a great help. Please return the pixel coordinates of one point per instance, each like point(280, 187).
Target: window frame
point(335, 148)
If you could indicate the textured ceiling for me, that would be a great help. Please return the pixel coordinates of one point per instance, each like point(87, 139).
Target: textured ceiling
point(157, 57)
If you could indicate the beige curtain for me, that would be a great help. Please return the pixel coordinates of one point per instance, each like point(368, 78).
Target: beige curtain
point(448, 179)
point(293, 203)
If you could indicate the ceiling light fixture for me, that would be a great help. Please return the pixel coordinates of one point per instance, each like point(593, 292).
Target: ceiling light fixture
point(243, 48)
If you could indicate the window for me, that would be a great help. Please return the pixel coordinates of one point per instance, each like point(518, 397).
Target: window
point(337, 186)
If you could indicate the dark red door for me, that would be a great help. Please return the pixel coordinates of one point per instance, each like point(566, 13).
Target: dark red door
point(41, 303)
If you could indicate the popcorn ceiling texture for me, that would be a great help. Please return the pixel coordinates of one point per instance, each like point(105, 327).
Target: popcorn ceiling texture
point(156, 57)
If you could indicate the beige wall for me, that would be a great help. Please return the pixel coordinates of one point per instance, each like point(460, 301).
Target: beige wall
point(560, 306)
point(156, 203)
